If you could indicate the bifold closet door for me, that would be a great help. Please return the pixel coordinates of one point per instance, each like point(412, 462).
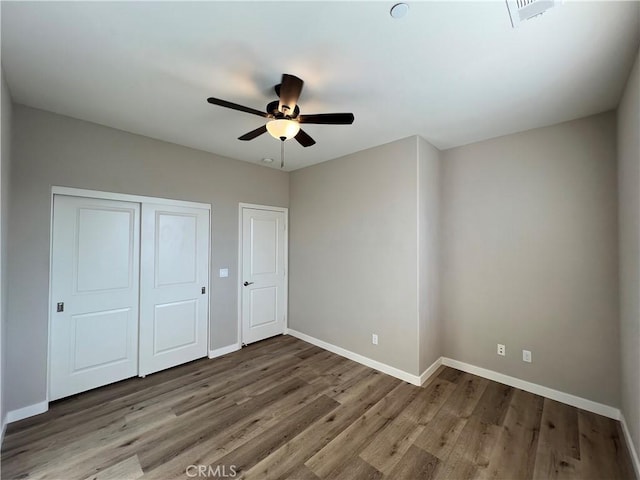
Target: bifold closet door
point(174, 286)
point(94, 294)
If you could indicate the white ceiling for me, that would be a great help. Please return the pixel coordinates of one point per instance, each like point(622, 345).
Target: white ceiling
point(452, 72)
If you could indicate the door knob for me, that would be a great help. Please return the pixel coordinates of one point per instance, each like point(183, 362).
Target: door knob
point(246, 284)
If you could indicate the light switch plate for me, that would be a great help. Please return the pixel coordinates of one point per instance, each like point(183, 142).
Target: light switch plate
point(224, 272)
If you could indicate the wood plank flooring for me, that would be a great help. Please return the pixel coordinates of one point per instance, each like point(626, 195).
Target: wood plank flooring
point(285, 409)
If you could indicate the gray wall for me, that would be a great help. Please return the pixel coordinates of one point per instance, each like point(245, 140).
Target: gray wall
point(353, 253)
point(430, 325)
point(530, 256)
point(5, 164)
point(525, 226)
point(629, 184)
point(50, 149)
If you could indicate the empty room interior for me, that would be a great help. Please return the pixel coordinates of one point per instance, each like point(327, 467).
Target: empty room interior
point(320, 240)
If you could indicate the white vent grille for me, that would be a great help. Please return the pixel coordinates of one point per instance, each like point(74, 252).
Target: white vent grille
point(521, 10)
point(524, 3)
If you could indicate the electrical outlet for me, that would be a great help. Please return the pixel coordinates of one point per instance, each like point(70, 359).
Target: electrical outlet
point(374, 339)
point(502, 350)
point(526, 356)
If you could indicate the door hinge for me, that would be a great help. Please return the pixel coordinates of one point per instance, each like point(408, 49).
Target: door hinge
point(60, 307)
point(204, 290)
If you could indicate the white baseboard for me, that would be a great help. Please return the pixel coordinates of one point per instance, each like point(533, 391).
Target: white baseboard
point(218, 352)
point(430, 371)
point(547, 392)
point(632, 448)
point(28, 411)
point(356, 357)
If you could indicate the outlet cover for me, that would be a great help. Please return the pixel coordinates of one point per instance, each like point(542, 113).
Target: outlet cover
point(526, 356)
point(502, 350)
point(224, 272)
point(374, 339)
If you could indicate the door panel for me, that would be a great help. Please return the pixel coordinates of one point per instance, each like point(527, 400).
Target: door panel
point(176, 249)
point(94, 272)
point(174, 313)
point(263, 268)
point(176, 326)
point(108, 330)
point(103, 261)
point(264, 306)
point(264, 246)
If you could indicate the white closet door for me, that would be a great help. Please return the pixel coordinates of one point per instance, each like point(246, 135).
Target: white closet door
point(174, 286)
point(94, 302)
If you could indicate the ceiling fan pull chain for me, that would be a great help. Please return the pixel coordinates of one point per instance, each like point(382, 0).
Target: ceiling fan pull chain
point(282, 153)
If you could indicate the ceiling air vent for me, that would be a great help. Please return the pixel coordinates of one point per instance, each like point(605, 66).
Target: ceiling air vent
point(521, 10)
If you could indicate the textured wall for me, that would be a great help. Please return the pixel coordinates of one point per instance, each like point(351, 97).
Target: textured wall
point(430, 320)
point(530, 256)
point(5, 172)
point(353, 253)
point(629, 182)
point(50, 149)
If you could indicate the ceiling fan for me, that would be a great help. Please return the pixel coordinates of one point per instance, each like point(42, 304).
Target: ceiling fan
point(284, 114)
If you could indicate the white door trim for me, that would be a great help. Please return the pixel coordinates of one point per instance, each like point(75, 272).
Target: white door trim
point(125, 197)
point(81, 192)
point(284, 210)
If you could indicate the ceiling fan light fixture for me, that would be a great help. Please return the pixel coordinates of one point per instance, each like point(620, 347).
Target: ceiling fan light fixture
point(283, 128)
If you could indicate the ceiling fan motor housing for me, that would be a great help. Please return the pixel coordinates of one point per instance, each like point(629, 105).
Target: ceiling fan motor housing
point(273, 109)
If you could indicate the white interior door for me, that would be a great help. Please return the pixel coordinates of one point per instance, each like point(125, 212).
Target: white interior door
point(174, 286)
point(263, 257)
point(94, 287)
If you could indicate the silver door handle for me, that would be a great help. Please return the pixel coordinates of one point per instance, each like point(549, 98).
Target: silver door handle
point(246, 284)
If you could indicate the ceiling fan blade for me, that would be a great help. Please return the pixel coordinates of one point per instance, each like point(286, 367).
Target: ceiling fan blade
point(235, 106)
point(304, 139)
point(254, 133)
point(290, 89)
point(328, 118)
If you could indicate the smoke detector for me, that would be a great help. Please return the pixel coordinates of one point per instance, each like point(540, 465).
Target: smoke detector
point(522, 10)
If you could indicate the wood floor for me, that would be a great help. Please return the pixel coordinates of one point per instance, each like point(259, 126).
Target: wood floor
point(285, 409)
